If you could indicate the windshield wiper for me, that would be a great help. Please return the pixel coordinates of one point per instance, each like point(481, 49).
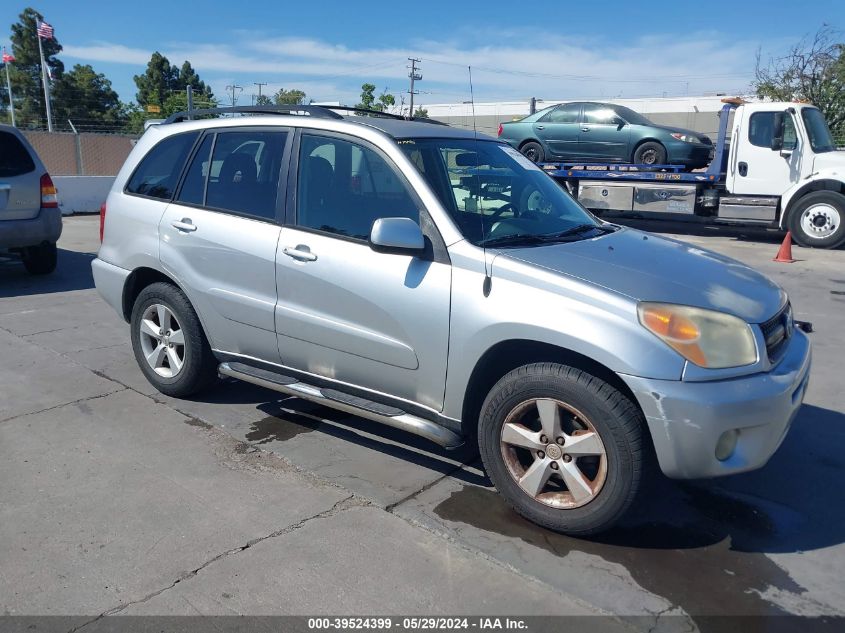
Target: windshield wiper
point(518, 239)
point(577, 230)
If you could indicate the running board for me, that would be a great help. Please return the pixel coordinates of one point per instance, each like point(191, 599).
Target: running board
point(390, 416)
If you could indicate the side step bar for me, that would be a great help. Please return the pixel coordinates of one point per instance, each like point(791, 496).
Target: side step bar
point(334, 399)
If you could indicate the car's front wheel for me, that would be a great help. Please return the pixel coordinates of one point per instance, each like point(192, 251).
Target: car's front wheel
point(564, 448)
point(649, 153)
point(169, 344)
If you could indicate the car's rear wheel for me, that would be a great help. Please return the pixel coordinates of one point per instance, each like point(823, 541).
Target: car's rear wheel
point(533, 151)
point(169, 344)
point(650, 153)
point(41, 259)
point(563, 447)
point(818, 219)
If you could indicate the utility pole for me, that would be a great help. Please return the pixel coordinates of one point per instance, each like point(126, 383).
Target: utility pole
point(190, 90)
point(414, 76)
point(45, 79)
point(233, 88)
point(259, 84)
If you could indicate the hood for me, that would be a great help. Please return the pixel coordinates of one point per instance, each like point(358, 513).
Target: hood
point(834, 160)
point(646, 267)
point(680, 130)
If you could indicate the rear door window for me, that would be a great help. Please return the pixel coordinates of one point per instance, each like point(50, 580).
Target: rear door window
point(14, 157)
point(158, 172)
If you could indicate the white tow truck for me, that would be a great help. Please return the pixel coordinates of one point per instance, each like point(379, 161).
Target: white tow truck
point(774, 164)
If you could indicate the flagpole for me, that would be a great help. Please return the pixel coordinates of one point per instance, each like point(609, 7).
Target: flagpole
point(9, 90)
point(46, 80)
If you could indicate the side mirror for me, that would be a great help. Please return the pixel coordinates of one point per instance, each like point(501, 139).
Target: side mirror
point(399, 236)
point(619, 123)
point(777, 132)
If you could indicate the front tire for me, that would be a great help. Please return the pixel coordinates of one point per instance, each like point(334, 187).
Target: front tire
point(818, 220)
point(563, 447)
point(170, 347)
point(533, 151)
point(650, 153)
point(41, 259)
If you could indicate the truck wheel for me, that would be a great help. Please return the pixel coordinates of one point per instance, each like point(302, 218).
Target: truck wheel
point(168, 341)
point(533, 151)
point(650, 153)
point(817, 219)
point(563, 447)
point(41, 259)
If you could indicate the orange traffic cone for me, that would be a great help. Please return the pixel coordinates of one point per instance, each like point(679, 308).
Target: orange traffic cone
point(785, 251)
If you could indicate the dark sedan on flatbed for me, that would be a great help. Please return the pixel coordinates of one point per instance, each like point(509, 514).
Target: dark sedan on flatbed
point(601, 133)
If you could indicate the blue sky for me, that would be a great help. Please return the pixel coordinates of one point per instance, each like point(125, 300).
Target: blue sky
point(328, 48)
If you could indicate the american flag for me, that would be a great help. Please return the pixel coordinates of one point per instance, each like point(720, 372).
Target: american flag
point(7, 57)
point(45, 31)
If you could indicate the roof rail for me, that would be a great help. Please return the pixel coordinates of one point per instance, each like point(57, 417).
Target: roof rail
point(296, 110)
point(382, 114)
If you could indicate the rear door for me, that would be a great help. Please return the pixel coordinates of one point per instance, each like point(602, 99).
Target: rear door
point(603, 135)
point(20, 179)
point(559, 129)
point(345, 312)
point(218, 237)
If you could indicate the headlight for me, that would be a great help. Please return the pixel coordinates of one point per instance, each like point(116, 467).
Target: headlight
point(705, 337)
point(686, 138)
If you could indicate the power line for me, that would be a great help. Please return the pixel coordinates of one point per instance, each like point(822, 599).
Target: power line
point(233, 88)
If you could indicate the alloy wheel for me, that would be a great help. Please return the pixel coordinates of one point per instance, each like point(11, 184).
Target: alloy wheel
point(162, 340)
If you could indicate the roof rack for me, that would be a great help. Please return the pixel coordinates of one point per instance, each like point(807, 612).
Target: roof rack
point(318, 111)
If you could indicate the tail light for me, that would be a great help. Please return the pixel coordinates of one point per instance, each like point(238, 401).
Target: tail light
point(500, 130)
point(49, 200)
point(102, 220)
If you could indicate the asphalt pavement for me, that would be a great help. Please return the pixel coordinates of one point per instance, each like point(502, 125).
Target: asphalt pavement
point(115, 499)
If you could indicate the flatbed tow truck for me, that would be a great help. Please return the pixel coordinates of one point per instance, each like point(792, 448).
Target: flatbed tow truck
point(774, 165)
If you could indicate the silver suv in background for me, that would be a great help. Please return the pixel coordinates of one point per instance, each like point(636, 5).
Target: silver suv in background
point(438, 282)
point(30, 219)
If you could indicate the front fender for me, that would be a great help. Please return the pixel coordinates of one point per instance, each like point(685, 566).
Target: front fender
point(832, 178)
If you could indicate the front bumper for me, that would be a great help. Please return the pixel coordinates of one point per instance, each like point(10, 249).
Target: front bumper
point(686, 419)
point(692, 155)
point(45, 227)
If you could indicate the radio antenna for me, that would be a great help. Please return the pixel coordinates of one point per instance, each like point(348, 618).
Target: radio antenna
point(488, 279)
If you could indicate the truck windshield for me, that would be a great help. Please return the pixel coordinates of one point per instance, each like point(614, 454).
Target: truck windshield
point(821, 139)
point(494, 193)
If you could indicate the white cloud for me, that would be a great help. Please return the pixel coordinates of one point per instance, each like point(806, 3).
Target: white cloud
point(506, 65)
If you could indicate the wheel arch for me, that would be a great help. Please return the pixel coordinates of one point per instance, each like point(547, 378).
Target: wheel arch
point(531, 140)
point(139, 279)
point(507, 355)
point(791, 198)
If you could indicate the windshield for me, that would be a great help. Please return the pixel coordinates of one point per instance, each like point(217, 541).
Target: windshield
point(634, 118)
point(821, 139)
point(493, 192)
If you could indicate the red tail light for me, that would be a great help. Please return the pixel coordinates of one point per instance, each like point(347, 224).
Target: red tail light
point(500, 130)
point(49, 200)
point(102, 220)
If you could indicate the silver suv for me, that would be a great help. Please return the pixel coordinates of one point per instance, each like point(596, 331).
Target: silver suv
point(438, 282)
point(30, 219)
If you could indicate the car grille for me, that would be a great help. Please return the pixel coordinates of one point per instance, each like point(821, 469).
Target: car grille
point(777, 331)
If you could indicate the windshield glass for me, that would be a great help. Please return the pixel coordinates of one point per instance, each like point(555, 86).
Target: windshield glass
point(493, 192)
point(634, 118)
point(821, 139)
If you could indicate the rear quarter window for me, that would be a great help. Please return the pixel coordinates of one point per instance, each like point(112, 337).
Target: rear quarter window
point(158, 172)
point(15, 159)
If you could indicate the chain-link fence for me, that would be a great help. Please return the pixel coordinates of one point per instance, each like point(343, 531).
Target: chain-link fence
point(83, 154)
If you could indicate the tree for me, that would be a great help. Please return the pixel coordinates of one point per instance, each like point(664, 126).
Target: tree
point(263, 100)
point(25, 72)
point(158, 81)
point(368, 99)
point(189, 77)
point(420, 113)
point(87, 98)
point(813, 69)
point(289, 97)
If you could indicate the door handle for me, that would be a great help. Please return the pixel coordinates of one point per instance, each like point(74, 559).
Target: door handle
point(743, 169)
point(301, 252)
point(585, 129)
point(541, 127)
point(185, 225)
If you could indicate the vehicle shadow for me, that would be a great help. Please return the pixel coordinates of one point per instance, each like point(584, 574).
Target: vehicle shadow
point(289, 417)
point(73, 272)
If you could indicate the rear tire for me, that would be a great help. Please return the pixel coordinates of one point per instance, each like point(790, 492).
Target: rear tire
point(170, 347)
point(41, 259)
point(649, 153)
point(583, 480)
point(533, 151)
point(818, 220)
